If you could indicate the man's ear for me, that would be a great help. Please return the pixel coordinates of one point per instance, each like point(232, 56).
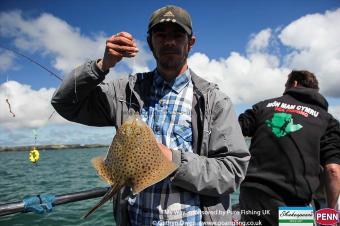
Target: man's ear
point(192, 41)
point(295, 84)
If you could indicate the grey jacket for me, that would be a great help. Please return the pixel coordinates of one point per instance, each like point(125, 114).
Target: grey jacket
point(220, 158)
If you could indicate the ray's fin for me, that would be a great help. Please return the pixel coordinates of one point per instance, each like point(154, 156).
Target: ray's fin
point(99, 164)
point(160, 172)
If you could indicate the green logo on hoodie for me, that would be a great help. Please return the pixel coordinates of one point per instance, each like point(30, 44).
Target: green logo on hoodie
point(282, 124)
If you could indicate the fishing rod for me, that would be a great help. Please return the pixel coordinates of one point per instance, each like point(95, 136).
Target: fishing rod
point(41, 66)
point(44, 203)
point(39, 202)
point(33, 61)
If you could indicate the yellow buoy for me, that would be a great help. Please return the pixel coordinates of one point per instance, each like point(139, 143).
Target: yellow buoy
point(34, 155)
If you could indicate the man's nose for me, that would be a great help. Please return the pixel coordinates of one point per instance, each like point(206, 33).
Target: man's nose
point(169, 40)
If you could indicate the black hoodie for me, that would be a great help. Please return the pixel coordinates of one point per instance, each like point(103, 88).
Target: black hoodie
point(291, 136)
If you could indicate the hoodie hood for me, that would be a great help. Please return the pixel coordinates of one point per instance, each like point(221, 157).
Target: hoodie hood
point(308, 95)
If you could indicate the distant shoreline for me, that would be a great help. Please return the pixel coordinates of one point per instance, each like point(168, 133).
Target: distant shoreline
point(51, 147)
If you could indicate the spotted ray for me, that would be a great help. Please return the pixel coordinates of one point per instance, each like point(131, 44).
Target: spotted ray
point(133, 159)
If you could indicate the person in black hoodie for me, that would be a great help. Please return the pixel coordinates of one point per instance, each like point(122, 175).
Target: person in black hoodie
point(291, 136)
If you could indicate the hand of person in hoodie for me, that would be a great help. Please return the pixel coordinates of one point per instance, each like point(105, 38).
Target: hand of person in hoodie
point(118, 46)
point(332, 173)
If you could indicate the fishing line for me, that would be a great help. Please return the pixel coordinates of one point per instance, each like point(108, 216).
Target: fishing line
point(34, 153)
point(43, 125)
point(51, 116)
point(35, 137)
point(33, 61)
point(130, 99)
point(75, 83)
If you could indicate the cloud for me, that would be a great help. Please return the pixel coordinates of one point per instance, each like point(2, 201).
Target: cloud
point(32, 108)
point(335, 111)
point(260, 41)
point(310, 43)
point(6, 60)
point(314, 40)
point(245, 78)
point(52, 36)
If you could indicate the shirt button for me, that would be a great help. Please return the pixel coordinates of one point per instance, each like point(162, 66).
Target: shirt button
point(157, 129)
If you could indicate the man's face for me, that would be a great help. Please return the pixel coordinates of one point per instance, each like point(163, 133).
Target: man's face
point(171, 45)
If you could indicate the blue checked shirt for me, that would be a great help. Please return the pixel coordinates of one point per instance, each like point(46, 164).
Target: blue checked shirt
point(168, 113)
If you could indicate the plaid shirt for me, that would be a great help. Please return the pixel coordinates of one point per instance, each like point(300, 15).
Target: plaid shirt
point(168, 113)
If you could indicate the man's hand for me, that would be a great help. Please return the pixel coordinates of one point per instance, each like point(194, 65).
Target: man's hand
point(166, 151)
point(118, 46)
point(332, 172)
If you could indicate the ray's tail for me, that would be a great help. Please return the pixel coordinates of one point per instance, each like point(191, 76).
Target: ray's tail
point(104, 172)
point(109, 194)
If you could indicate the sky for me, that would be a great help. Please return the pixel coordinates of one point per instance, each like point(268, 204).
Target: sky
point(246, 47)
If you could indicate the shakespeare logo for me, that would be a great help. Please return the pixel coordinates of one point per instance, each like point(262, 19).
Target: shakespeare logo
point(296, 216)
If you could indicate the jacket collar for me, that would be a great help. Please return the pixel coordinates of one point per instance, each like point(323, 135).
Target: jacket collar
point(201, 84)
point(308, 95)
point(140, 81)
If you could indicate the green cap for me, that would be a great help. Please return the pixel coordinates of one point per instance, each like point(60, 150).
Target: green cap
point(171, 14)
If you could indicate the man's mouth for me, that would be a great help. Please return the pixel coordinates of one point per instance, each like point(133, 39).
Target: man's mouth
point(170, 52)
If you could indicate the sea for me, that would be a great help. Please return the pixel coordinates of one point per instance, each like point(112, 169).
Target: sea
point(58, 172)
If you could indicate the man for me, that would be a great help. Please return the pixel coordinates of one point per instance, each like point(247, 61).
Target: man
point(291, 136)
point(193, 120)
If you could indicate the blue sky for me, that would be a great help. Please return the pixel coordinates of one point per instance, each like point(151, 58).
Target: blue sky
point(247, 47)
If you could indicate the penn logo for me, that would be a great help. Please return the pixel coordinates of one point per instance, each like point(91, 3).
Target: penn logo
point(327, 216)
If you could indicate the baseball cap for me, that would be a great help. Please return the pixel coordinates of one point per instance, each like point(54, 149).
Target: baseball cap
point(171, 13)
